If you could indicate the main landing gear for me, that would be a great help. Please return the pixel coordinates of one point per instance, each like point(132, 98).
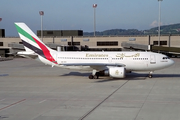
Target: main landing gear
point(95, 75)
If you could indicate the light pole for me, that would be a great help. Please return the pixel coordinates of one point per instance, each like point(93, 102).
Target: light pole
point(94, 6)
point(0, 19)
point(159, 23)
point(41, 14)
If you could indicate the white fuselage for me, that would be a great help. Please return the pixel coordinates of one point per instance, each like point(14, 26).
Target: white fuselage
point(131, 61)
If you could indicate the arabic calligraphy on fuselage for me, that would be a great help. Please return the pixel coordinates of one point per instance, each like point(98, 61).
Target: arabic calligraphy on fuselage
point(122, 55)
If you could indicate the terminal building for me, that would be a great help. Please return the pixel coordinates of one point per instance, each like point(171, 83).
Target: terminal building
point(73, 40)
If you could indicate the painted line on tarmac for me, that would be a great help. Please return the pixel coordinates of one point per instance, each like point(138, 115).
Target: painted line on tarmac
point(88, 113)
point(13, 104)
point(42, 101)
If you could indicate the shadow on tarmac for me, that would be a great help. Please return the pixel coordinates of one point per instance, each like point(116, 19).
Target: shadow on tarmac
point(129, 76)
point(76, 74)
point(166, 75)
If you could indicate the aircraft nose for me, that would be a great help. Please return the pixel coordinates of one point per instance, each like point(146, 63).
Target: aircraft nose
point(171, 62)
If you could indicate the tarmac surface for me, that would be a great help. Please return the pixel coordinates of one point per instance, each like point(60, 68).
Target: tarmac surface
point(30, 90)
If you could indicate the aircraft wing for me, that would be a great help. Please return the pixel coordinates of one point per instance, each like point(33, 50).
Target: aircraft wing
point(12, 54)
point(27, 54)
point(97, 66)
point(24, 55)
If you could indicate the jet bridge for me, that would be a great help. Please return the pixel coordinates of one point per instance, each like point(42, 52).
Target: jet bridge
point(170, 51)
point(132, 46)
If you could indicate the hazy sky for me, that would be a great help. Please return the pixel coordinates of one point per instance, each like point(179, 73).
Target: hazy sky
point(79, 14)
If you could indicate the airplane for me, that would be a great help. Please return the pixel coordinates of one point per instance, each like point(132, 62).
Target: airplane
point(113, 64)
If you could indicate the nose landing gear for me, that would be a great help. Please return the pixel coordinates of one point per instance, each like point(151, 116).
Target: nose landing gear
point(150, 74)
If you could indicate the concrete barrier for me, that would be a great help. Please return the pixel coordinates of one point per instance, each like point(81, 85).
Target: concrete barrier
point(6, 58)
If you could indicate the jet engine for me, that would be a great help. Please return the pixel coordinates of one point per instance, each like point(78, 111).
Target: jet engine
point(116, 72)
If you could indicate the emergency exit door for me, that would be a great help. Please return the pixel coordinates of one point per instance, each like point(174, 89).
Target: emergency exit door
point(153, 59)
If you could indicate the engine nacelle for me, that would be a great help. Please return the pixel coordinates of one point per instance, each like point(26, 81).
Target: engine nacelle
point(116, 72)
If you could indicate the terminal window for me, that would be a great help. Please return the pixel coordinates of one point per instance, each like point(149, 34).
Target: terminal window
point(74, 43)
point(161, 42)
point(112, 43)
point(49, 32)
point(1, 43)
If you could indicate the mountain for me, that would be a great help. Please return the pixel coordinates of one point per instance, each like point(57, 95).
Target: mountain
point(115, 32)
point(165, 29)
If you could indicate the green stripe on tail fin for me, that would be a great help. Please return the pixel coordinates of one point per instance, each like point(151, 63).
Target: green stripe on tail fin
point(24, 33)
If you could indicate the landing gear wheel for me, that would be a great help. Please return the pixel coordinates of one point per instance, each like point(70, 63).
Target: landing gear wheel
point(150, 76)
point(96, 76)
point(91, 76)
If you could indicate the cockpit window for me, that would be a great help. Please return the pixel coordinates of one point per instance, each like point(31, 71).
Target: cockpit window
point(165, 58)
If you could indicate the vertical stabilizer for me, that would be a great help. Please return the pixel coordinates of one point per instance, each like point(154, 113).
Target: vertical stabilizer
point(32, 43)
